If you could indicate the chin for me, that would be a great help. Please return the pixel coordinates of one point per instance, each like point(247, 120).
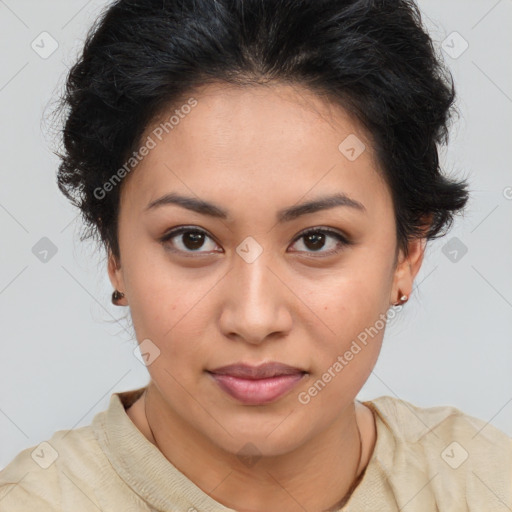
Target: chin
point(260, 437)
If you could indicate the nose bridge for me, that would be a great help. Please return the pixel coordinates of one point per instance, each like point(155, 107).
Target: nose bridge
point(252, 276)
point(257, 306)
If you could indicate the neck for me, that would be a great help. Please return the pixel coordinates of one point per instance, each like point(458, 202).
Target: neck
point(331, 461)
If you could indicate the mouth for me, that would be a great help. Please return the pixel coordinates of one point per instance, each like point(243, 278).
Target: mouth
point(257, 385)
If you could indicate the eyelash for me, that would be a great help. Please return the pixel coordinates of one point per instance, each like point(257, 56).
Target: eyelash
point(342, 240)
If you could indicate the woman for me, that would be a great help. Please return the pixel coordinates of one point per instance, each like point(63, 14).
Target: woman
point(264, 177)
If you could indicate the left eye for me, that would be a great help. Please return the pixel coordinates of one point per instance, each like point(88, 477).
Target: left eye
point(189, 240)
point(315, 239)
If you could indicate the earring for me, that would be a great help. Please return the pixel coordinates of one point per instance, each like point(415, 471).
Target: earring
point(116, 295)
point(402, 300)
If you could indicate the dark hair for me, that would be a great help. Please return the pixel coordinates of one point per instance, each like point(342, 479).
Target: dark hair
point(372, 57)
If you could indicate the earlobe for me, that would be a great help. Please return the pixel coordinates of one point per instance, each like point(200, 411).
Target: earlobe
point(407, 270)
point(402, 299)
point(116, 278)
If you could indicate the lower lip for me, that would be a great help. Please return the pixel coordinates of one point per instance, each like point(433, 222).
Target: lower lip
point(257, 391)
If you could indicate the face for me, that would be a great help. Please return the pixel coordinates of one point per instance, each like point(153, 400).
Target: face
point(243, 282)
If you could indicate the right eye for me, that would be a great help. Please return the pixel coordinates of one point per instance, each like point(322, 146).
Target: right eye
point(187, 240)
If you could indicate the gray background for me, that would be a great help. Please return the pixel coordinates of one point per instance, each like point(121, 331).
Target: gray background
point(65, 347)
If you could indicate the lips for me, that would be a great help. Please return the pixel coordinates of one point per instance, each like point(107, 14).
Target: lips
point(262, 371)
point(257, 385)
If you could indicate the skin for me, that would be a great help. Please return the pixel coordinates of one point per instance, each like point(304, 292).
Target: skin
point(254, 151)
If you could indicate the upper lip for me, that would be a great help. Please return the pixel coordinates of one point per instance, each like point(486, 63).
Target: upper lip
point(261, 371)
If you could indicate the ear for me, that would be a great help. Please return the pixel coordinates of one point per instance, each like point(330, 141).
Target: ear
point(115, 275)
point(407, 268)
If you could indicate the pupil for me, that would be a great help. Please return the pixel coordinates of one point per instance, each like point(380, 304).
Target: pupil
point(315, 238)
point(196, 240)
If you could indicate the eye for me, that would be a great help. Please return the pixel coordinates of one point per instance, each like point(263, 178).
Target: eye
point(188, 240)
point(318, 238)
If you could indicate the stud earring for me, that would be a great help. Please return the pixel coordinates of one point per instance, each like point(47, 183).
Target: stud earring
point(116, 295)
point(401, 301)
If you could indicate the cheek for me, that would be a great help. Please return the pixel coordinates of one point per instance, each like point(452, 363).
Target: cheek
point(352, 299)
point(345, 357)
point(354, 309)
point(170, 309)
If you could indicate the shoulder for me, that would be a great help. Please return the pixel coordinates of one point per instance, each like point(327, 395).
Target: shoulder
point(459, 456)
point(63, 469)
point(413, 424)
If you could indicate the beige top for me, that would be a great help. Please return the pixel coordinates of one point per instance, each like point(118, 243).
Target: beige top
point(424, 460)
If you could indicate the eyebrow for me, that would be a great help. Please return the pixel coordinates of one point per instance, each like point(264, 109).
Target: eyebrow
point(284, 215)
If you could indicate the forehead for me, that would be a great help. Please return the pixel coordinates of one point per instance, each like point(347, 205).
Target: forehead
point(272, 141)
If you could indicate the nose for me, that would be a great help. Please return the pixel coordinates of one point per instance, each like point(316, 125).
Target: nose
point(258, 302)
